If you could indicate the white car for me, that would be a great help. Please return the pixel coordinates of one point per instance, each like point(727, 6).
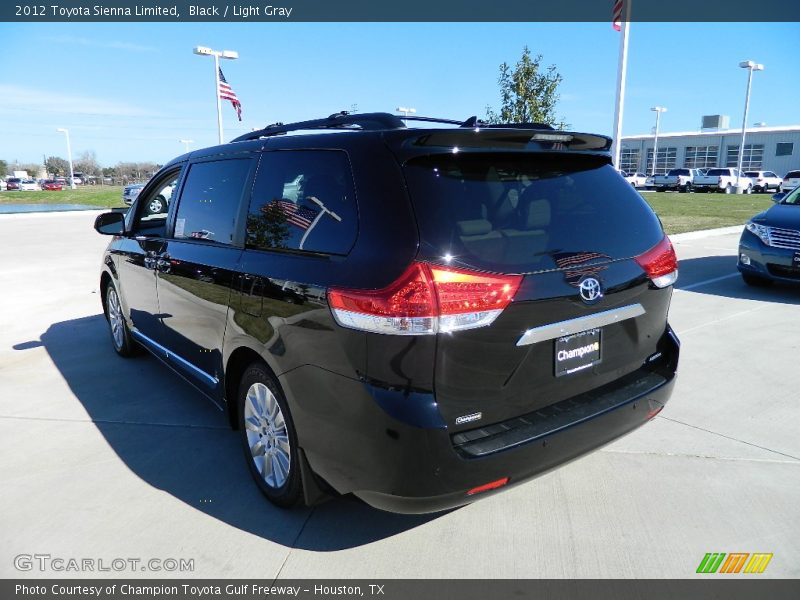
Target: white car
point(791, 181)
point(764, 181)
point(637, 180)
point(29, 185)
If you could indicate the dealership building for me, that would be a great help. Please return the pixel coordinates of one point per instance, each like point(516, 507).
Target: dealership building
point(715, 145)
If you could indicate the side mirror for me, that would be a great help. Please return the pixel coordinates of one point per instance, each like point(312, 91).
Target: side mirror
point(111, 223)
point(777, 198)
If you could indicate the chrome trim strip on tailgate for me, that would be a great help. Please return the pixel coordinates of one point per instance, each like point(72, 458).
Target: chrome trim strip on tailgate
point(570, 326)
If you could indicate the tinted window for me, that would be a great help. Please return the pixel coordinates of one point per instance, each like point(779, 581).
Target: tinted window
point(752, 174)
point(303, 200)
point(792, 175)
point(718, 172)
point(150, 215)
point(784, 148)
point(519, 213)
point(210, 199)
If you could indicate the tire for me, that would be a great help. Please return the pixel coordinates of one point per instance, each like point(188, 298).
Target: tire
point(661, 189)
point(687, 189)
point(121, 337)
point(756, 281)
point(728, 189)
point(156, 205)
point(749, 189)
point(266, 429)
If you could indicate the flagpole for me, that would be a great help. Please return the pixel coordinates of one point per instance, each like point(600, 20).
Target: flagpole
point(622, 71)
point(216, 90)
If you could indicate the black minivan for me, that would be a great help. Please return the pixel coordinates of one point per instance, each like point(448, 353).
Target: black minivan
point(417, 316)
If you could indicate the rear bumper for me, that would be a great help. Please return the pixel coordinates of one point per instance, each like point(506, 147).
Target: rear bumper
point(391, 450)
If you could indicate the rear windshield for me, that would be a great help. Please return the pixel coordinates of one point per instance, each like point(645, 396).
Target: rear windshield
point(752, 174)
point(792, 175)
point(521, 213)
point(717, 172)
point(678, 172)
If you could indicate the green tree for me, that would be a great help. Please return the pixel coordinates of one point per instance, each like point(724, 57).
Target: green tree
point(57, 166)
point(528, 93)
point(3, 168)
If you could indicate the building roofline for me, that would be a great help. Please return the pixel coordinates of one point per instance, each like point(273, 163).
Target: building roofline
point(775, 129)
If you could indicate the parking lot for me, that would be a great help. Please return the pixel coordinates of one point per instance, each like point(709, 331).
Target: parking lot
point(102, 457)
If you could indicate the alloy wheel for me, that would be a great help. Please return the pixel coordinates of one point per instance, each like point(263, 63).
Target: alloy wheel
point(115, 319)
point(267, 435)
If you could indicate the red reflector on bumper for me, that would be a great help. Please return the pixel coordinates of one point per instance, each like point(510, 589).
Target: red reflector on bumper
point(488, 486)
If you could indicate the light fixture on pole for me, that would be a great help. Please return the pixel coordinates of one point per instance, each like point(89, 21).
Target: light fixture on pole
point(405, 111)
point(750, 66)
point(217, 54)
point(69, 158)
point(658, 110)
point(186, 144)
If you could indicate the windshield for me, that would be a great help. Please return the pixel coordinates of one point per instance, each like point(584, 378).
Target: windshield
point(527, 212)
point(792, 197)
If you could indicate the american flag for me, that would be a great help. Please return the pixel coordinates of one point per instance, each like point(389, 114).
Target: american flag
point(226, 93)
point(572, 263)
point(299, 216)
point(616, 16)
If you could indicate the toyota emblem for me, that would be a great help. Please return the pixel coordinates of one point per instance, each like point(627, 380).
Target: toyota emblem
point(590, 290)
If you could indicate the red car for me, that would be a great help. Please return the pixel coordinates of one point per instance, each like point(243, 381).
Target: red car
point(13, 183)
point(52, 186)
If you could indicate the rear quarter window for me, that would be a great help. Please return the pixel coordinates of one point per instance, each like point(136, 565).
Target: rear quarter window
point(303, 200)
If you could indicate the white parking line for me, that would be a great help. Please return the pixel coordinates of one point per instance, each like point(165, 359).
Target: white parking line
point(706, 282)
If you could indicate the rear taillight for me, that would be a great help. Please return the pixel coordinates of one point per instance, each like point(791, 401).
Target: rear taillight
point(426, 299)
point(660, 263)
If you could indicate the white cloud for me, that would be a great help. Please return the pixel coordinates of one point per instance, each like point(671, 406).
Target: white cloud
point(111, 45)
point(32, 101)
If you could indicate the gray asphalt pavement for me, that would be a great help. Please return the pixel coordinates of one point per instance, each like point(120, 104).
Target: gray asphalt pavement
point(106, 458)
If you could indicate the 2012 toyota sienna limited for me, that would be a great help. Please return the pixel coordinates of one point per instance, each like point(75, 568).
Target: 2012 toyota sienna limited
point(418, 316)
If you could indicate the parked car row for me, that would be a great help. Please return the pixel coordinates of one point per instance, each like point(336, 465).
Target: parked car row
point(31, 185)
point(716, 180)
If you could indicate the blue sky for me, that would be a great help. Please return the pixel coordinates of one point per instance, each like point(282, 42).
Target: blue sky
point(131, 91)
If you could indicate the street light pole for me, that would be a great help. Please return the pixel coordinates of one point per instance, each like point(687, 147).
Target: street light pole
point(186, 144)
point(658, 110)
point(69, 158)
point(750, 66)
point(405, 111)
point(217, 54)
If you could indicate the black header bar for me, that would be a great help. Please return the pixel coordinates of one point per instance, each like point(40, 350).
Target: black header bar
point(281, 11)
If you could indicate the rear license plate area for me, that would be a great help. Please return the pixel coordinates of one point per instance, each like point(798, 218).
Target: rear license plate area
point(578, 352)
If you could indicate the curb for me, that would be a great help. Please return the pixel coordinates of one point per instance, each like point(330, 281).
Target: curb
point(694, 235)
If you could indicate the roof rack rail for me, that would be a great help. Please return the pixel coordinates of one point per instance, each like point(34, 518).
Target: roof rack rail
point(374, 122)
point(340, 120)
